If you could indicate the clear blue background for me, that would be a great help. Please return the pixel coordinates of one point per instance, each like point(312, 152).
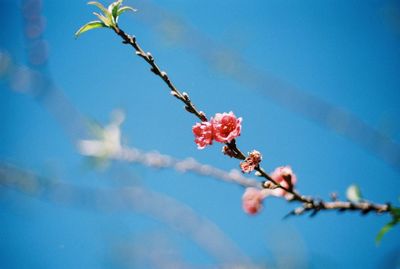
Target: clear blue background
point(344, 53)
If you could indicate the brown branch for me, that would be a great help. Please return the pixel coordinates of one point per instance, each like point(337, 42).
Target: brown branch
point(308, 203)
point(184, 97)
point(341, 206)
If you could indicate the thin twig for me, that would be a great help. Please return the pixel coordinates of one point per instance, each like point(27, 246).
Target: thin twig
point(308, 203)
point(340, 206)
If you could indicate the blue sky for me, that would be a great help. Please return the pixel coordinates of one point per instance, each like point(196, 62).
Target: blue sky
point(303, 75)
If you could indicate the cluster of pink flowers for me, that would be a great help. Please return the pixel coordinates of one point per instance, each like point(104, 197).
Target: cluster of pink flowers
point(253, 198)
point(223, 128)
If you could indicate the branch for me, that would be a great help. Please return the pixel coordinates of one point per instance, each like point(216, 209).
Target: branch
point(184, 97)
point(226, 128)
point(309, 203)
point(316, 206)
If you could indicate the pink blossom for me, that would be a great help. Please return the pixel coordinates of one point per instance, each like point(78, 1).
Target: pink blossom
point(252, 161)
point(203, 133)
point(226, 127)
point(252, 201)
point(284, 176)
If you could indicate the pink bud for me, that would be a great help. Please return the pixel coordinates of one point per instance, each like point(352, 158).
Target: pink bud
point(227, 151)
point(252, 161)
point(284, 176)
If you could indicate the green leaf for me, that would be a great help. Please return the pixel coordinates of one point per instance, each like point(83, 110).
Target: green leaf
point(385, 229)
point(125, 8)
point(99, 5)
point(105, 20)
point(106, 17)
point(113, 8)
point(395, 212)
point(89, 26)
point(353, 194)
